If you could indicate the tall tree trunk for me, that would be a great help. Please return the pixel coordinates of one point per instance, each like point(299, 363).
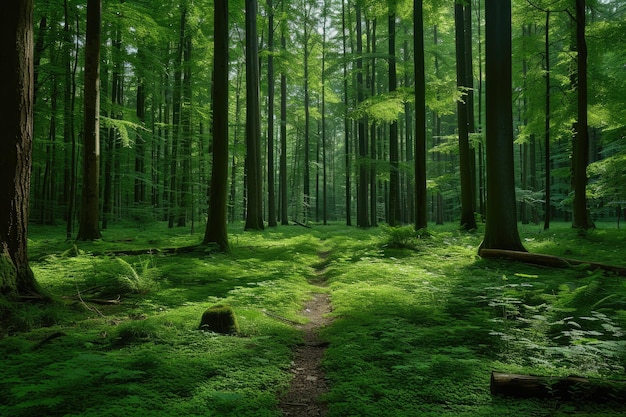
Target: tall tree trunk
point(346, 120)
point(284, 215)
point(139, 182)
point(420, 117)
point(69, 105)
point(271, 193)
point(362, 217)
point(501, 227)
point(307, 119)
point(394, 173)
point(16, 42)
point(216, 231)
point(580, 147)
point(324, 173)
point(468, 221)
point(185, 139)
point(373, 136)
point(254, 212)
point(548, 162)
point(88, 227)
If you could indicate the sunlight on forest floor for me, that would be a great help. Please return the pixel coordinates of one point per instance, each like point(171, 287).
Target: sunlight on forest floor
point(416, 331)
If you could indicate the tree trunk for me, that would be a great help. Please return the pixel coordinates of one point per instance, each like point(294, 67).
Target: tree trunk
point(16, 42)
point(88, 228)
point(361, 203)
point(501, 227)
point(254, 212)
point(284, 218)
point(346, 123)
point(468, 221)
point(548, 182)
point(580, 147)
point(216, 231)
point(271, 197)
point(394, 173)
point(421, 221)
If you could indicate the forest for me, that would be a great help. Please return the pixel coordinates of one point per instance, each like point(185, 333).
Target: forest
point(313, 207)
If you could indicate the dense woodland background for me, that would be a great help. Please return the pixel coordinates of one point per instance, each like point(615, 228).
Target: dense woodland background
point(333, 96)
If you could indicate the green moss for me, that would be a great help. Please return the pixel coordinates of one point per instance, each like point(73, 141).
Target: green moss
point(219, 319)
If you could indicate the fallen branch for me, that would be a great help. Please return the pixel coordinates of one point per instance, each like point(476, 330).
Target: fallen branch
point(548, 260)
point(567, 388)
point(301, 224)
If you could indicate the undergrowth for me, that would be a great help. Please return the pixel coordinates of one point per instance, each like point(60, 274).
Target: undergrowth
point(420, 321)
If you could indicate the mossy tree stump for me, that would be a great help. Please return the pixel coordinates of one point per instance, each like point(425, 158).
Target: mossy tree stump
point(219, 319)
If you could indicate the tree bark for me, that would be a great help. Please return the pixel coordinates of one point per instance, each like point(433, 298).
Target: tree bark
point(580, 147)
point(16, 42)
point(271, 197)
point(216, 230)
point(421, 209)
point(468, 221)
point(88, 228)
point(254, 213)
point(394, 172)
point(501, 227)
point(362, 188)
point(284, 219)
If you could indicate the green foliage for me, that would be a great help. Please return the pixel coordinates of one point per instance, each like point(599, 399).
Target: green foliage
point(139, 279)
point(414, 333)
point(403, 237)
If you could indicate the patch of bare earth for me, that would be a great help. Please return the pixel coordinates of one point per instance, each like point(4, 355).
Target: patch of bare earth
point(309, 381)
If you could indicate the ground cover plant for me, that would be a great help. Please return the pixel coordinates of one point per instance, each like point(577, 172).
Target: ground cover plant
point(419, 322)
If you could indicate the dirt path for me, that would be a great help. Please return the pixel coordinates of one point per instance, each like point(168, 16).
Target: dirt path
point(309, 382)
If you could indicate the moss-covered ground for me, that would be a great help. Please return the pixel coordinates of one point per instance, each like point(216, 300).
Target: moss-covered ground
point(420, 322)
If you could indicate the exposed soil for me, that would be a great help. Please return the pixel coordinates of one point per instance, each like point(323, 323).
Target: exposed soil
point(309, 381)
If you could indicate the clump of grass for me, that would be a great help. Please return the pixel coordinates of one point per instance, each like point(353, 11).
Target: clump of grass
point(137, 279)
point(403, 237)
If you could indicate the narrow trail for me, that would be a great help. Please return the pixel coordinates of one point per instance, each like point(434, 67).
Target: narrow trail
point(309, 381)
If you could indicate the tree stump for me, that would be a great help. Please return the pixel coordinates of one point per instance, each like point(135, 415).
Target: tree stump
point(219, 319)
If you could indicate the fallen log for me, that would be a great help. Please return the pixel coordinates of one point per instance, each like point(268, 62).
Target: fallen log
point(548, 260)
point(565, 388)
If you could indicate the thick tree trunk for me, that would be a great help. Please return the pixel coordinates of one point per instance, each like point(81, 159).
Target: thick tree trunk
point(501, 227)
point(16, 71)
point(89, 216)
point(216, 230)
point(254, 213)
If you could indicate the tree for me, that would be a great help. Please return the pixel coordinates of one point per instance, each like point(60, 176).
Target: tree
point(420, 117)
point(394, 173)
point(580, 147)
point(216, 231)
point(16, 72)
point(88, 227)
point(468, 221)
point(254, 212)
point(271, 198)
point(501, 227)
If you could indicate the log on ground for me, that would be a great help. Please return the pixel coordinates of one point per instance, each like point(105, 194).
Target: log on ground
point(565, 388)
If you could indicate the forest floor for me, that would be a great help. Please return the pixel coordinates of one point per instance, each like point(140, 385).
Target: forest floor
point(333, 321)
point(303, 399)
